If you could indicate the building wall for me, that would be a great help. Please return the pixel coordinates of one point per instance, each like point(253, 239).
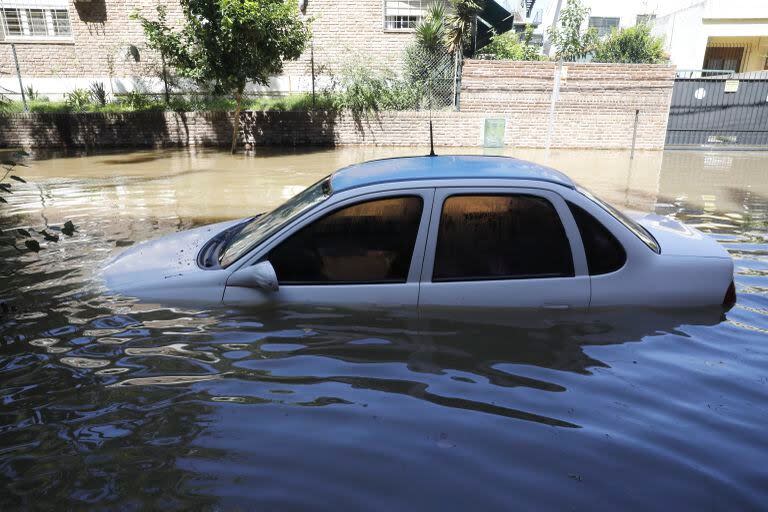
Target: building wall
point(102, 31)
point(626, 10)
point(596, 109)
point(349, 31)
point(687, 31)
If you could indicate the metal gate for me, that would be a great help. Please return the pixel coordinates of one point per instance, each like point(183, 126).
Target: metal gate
point(729, 110)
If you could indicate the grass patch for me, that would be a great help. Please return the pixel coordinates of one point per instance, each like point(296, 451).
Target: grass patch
point(148, 103)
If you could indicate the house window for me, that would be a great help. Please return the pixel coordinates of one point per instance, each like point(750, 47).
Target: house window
point(603, 25)
point(404, 14)
point(33, 20)
point(725, 58)
point(644, 19)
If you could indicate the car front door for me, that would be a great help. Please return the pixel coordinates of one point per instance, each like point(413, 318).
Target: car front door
point(493, 249)
point(362, 252)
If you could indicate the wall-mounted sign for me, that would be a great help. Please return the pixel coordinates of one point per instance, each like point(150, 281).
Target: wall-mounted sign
point(699, 93)
point(731, 85)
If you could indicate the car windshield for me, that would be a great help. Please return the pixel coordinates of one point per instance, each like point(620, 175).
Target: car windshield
point(639, 231)
point(264, 225)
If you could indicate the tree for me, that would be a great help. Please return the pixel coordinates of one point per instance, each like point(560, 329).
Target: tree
point(458, 31)
point(510, 46)
point(223, 44)
point(570, 41)
point(631, 45)
point(430, 32)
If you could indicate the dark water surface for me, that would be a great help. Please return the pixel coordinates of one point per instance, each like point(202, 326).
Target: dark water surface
point(112, 404)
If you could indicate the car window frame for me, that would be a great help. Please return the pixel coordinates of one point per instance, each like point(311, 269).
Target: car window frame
point(556, 200)
point(342, 200)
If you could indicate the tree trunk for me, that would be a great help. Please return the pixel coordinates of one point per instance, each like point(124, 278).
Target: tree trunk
point(236, 120)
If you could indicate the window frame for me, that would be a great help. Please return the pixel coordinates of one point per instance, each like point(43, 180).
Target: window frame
point(335, 202)
point(604, 18)
point(385, 26)
point(51, 22)
point(404, 195)
point(556, 200)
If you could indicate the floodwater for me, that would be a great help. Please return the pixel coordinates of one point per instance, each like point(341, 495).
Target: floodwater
point(112, 404)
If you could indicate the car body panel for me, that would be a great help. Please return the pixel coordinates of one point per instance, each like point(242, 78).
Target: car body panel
point(166, 268)
point(677, 239)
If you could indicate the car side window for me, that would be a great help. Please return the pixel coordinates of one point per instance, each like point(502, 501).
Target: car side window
point(500, 237)
point(368, 242)
point(604, 253)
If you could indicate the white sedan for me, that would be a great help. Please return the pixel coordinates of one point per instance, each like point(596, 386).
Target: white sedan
point(439, 232)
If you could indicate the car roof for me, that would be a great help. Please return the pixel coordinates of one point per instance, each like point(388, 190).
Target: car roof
point(420, 168)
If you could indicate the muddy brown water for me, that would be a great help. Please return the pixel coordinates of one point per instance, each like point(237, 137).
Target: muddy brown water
point(108, 403)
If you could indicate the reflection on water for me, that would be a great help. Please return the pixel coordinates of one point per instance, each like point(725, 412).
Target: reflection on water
point(111, 403)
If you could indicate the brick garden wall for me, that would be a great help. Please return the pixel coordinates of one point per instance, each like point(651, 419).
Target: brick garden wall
point(596, 109)
point(596, 105)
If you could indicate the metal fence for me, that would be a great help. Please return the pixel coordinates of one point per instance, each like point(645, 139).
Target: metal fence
point(729, 109)
point(431, 74)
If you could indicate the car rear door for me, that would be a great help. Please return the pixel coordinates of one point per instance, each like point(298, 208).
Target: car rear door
point(362, 252)
point(503, 248)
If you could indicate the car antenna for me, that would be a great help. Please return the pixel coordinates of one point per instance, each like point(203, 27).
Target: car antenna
point(431, 141)
point(431, 138)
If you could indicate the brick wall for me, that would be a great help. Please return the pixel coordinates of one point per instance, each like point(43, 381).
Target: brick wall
point(595, 108)
point(166, 129)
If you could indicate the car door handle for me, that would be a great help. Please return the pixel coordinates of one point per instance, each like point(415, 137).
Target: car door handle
point(556, 306)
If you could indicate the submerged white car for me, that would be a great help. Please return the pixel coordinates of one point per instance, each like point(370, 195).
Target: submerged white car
point(435, 232)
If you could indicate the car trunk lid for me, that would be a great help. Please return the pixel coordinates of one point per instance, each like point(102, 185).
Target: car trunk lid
point(677, 239)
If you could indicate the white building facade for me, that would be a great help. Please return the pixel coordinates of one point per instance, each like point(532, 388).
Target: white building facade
point(698, 35)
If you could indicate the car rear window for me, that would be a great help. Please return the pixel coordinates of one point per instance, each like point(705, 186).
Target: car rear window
point(638, 230)
point(604, 253)
point(500, 237)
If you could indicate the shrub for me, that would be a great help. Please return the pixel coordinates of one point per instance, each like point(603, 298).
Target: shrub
point(570, 42)
point(363, 89)
point(134, 100)
point(78, 100)
point(98, 93)
point(31, 93)
point(511, 46)
point(45, 106)
point(631, 45)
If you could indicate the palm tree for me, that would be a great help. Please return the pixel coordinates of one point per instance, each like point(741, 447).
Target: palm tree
point(459, 25)
point(430, 32)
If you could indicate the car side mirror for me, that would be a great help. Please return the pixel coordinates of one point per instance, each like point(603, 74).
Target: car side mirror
point(261, 275)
